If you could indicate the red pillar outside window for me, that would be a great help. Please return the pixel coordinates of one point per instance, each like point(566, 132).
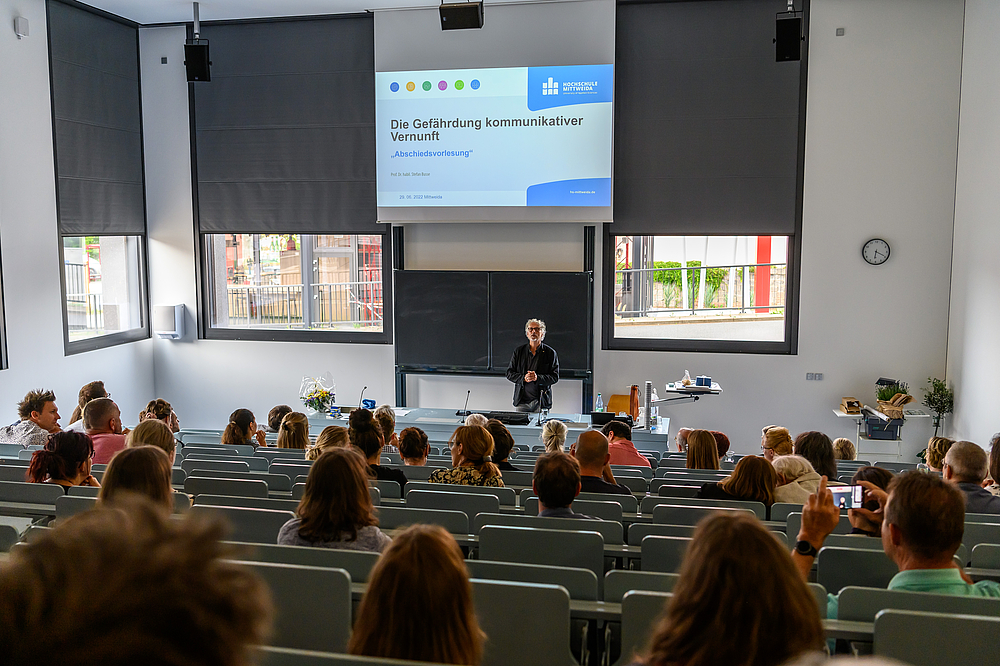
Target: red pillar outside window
point(762, 276)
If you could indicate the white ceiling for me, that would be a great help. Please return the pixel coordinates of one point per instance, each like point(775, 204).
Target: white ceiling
point(178, 11)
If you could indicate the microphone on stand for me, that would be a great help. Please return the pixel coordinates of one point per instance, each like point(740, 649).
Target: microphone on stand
point(465, 410)
point(362, 396)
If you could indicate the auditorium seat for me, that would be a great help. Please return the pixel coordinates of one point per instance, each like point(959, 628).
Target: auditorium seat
point(247, 502)
point(470, 503)
point(757, 507)
point(638, 531)
point(936, 639)
point(986, 556)
point(611, 532)
point(506, 496)
point(418, 472)
point(9, 536)
point(272, 656)
point(398, 517)
point(895, 467)
point(794, 522)
point(275, 482)
point(862, 604)
point(982, 517)
point(13, 473)
point(502, 543)
point(357, 563)
point(219, 465)
point(630, 470)
point(663, 553)
point(274, 454)
point(619, 582)
point(30, 493)
point(837, 568)
point(977, 533)
point(517, 478)
point(251, 525)
point(640, 612)
point(289, 469)
point(580, 583)
point(389, 489)
point(670, 488)
point(780, 510)
point(636, 484)
point(598, 509)
point(255, 464)
point(196, 485)
point(671, 514)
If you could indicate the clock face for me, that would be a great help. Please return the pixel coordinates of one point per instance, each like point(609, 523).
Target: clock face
point(875, 252)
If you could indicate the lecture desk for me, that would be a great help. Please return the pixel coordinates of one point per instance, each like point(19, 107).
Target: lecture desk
point(439, 424)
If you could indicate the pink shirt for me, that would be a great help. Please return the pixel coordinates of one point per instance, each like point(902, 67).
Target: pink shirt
point(106, 445)
point(623, 453)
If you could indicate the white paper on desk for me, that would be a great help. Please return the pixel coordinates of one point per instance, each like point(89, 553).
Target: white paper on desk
point(402, 412)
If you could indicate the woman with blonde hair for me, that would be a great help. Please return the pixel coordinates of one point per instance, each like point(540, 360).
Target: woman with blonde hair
point(336, 508)
point(796, 479)
point(294, 432)
point(702, 451)
point(413, 447)
point(142, 470)
point(843, 449)
point(471, 451)
point(554, 436)
point(752, 480)
point(775, 441)
point(418, 605)
point(936, 448)
point(737, 601)
point(153, 433)
point(332, 437)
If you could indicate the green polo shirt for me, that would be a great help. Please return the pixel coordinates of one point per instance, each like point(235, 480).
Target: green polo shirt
point(936, 581)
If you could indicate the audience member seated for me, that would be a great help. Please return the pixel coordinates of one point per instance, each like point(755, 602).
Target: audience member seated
point(591, 452)
point(161, 410)
point(364, 434)
point(471, 457)
point(39, 418)
point(556, 481)
point(413, 447)
point(103, 422)
point(332, 437)
point(797, 479)
point(336, 509)
point(818, 450)
point(87, 393)
point(721, 443)
point(681, 439)
point(418, 605)
point(554, 436)
point(843, 449)
point(142, 470)
point(386, 419)
point(738, 600)
point(118, 586)
point(620, 446)
point(775, 441)
point(753, 480)
point(966, 465)
point(275, 415)
point(476, 419)
point(994, 480)
point(294, 432)
point(702, 452)
point(937, 447)
point(880, 478)
point(153, 433)
point(503, 444)
point(65, 461)
point(922, 519)
point(242, 430)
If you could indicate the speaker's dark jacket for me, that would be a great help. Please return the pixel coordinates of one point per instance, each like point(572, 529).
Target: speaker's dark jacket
point(545, 364)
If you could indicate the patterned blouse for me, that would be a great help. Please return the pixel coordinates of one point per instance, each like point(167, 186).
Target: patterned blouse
point(465, 476)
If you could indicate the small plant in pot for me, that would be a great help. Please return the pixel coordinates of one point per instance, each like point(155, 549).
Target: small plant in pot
point(939, 399)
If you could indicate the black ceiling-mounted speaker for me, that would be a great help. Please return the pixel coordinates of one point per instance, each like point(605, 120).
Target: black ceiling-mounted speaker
point(196, 62)
point(787, 37)
point(461, 15)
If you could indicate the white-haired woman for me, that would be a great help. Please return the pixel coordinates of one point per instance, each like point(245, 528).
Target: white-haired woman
point(533, 369)
point(554, 436)
point(796, 479)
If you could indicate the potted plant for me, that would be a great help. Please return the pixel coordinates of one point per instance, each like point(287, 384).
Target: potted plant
point(939, 399)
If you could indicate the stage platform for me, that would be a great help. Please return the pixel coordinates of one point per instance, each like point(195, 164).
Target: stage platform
point(439, 424)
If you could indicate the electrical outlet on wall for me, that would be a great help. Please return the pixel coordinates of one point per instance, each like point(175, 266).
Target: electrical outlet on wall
point(814, 376)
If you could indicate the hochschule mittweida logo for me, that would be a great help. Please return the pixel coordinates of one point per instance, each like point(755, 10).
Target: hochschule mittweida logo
point(550, 87)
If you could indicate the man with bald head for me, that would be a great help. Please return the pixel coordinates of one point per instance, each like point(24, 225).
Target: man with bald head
point(591, 451)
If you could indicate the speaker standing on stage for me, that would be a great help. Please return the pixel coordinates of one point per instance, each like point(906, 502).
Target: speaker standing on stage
point(533, 368)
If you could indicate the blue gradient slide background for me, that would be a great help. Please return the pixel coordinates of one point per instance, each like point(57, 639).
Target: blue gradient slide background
point(554, 165)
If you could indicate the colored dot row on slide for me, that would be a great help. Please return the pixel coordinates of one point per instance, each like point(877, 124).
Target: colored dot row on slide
point(442, 85)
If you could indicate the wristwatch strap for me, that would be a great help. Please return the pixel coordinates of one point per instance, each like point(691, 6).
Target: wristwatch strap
point(806, 549)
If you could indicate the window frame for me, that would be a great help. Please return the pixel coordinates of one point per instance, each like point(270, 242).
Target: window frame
point(3, 325)
point(208, 332)
point(789, 346)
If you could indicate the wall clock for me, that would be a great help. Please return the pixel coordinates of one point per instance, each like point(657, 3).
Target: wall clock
point(875, 252)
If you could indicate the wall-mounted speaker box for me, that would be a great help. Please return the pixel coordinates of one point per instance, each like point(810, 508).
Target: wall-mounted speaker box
point(461, 15)
point(196, 62)
point(168, 321)
point(788, 38)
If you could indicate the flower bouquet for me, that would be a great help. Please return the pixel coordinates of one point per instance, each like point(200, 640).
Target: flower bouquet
point(318, 394)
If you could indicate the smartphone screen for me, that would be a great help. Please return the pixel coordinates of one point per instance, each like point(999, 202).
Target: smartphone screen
point(848, 497)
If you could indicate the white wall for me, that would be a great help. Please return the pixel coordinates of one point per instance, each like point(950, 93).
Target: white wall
point(973, 348)
point(29, 242)
point(880, 161)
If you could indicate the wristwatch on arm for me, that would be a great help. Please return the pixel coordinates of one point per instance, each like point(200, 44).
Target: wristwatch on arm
point(806, 549)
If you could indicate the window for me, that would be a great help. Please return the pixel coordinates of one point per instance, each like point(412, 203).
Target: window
point(699, 293)
point(102, 280)
point(332, 285)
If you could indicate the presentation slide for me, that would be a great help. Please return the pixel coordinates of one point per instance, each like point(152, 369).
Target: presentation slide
point(517, 136)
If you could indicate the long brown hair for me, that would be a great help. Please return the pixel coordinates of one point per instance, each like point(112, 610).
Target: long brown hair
point(336, 498)
point(419, 602)
point(477, 445)
point(413, 444)
point(238, 429)
point(753, 479)
point(738, 601)
point(364, 432)
point(61, 457)
point(702, 451)
point(294, 431)
point(144, 470)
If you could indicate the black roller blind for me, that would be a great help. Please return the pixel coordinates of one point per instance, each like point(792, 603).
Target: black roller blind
point(706, 122)
point(97, 120)
point(285, 130)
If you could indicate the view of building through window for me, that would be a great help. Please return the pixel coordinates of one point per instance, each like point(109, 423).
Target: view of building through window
point(700, 287)
point(103, 288)
point(296, 281)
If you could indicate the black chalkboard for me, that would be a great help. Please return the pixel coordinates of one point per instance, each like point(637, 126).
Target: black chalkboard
point(475, 320)
point(561, 300)
point(442, 319)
